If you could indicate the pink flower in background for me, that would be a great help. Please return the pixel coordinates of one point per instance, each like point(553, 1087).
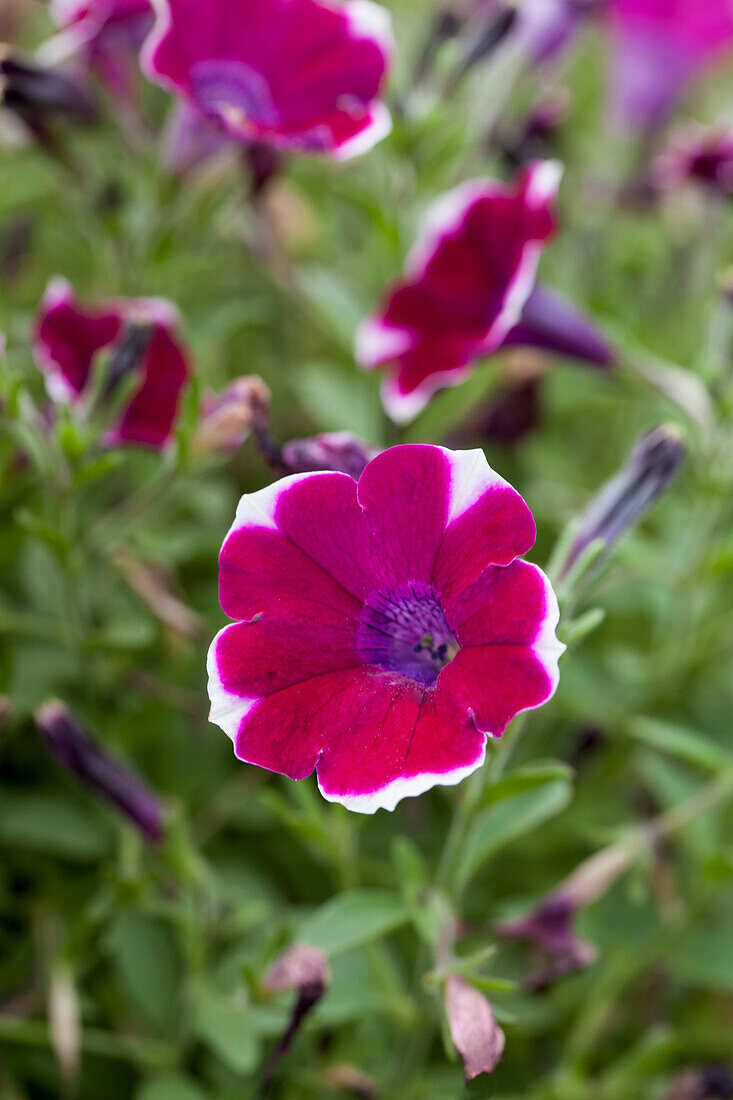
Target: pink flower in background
point(466, 283)
point(699, 155)
point(659, 46)
point(384, 627)
point(303, 75)
point(106, 35)
point(137, 335)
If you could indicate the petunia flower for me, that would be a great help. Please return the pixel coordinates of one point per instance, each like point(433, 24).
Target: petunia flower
point(138, 337)
point(302, 75)
point(384, 628)
point(105, 36)
point(659, 46)
point(468, 284)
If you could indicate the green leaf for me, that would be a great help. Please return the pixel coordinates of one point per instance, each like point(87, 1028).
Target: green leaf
point(56, 825)
point(684, 744)
point(146, 962)
point(353, 918)
point(170, 1087)
point(500, 824)
point(705, 956)
point(227, 1030)
point(528, 778)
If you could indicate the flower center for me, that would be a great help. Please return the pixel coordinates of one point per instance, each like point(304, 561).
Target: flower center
point(234, 91)
point(404, 630)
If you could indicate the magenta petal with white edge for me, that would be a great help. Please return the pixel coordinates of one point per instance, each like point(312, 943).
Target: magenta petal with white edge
point(384, 626)
point(302, 75)
point(137, 335)
point(466, 282)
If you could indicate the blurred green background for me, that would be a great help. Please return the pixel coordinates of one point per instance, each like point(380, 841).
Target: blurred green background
point(164, 950)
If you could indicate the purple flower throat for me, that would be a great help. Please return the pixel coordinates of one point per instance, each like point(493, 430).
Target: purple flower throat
point(404, 630)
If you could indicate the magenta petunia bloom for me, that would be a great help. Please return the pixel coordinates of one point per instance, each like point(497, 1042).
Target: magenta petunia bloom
point(105, 35)
point(302, 75)
point(137, 335)
point(384, 627)
point(659, 46)
point(466, 283)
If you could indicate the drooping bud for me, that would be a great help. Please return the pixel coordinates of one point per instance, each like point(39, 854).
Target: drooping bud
point(491, 30)
point(550, 322)
point(701, 1084)
point(475, 1033)
point(341, 451)
point(73, 748)
point(227, 418)
point(305, 969)
point(446, 25)
point(652, 466)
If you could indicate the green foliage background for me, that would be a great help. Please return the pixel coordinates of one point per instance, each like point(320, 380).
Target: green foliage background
point(166, 949)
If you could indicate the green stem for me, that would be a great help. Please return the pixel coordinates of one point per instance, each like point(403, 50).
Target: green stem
point(125, 1048)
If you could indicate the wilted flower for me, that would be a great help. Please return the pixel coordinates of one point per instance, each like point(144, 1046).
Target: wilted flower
point(74, 748)
point(550, 929)
point(138, 335)
point(658, 48)
point(340, 451)
point(227, 417)
point(475, 1033)
point(701, 1084)
point(104, 35)
point(703, 156)
point(384, 628)
point(304, 76)
point(306, 969)
point(652, 466)
point(38, 95)
point(466, 282)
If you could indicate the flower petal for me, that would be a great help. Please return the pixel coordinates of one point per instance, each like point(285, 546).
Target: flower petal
point(496, 682)
point(506, 605)
point(404, 494)
point(489, 524)
point(67, 336)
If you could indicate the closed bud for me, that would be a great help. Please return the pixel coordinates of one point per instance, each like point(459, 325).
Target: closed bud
point(652, 466)
point(341, 451)
point(75, 750)
point(549, 928)
point(227, 418)
point(551, 323)
point(475, 1033)
point(305, 969)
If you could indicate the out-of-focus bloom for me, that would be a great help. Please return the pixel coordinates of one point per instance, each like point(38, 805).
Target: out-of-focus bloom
point(227, 417)
point(39, 95)
point(306, 969)
point(302, 75)
point(340, 451)
point(512, 411)
point(652, 466)
point(534, 137)
point(703, 156)
point(383, 628)
point(105, 36)
point(139, 338)
point(701, 1084)
point(475, 1033)
point(659, 46)
point(73, 748)
point(466, 282)
point(543, 28)
point(550, 322)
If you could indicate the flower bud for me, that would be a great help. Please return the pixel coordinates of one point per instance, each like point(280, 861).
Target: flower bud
point(227, 418)
point(475, 1033)
point(75, 750)
point(305, 969)
point(701, 1084)
point(702, 156)
point(652, 466)
point(341, 451)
